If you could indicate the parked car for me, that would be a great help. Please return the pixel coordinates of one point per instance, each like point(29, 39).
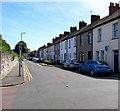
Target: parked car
point(40, 60)
point(35, 59)
point(94, 66)
point(70, 64)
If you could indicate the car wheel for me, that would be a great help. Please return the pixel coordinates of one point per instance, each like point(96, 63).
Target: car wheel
point(80, 70)
point(68, 67)
point(62, 66)
point(92, 72)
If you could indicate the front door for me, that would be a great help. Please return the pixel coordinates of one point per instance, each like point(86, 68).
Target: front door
point(115, 60)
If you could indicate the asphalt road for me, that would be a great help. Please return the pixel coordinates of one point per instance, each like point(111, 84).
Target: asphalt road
point(55, 88)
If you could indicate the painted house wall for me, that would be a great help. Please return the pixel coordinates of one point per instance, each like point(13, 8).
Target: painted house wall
point(63, 51)
point(45, 53)
point(52, 52)
point(40, 53)
point(57, 52)
point(72, 48)
point(49, 52)
point(107, 34)
point(119, 41)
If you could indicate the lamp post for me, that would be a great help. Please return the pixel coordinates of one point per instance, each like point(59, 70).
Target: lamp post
point(20, 53)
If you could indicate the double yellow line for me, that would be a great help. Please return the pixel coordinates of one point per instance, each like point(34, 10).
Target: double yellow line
point(29, 75)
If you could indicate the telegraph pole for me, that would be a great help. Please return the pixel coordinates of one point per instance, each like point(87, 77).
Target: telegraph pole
point(20, 55)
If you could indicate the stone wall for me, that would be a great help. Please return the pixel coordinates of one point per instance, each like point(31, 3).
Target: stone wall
point(7, 63)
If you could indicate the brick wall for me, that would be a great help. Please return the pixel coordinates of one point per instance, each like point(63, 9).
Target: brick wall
point(7, 63)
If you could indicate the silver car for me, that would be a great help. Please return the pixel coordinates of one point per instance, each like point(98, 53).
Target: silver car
point(70, 64)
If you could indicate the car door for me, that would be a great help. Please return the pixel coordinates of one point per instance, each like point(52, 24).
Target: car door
point(89, 66)
point(84, 66)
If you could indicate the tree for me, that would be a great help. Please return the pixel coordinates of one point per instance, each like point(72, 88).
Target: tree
point(32, 53)
point(4, 46)
point(24, 47)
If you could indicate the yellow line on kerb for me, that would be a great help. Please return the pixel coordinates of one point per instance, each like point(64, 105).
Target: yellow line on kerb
point(29, 75)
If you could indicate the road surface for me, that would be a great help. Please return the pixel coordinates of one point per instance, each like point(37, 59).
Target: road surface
point(55, 88)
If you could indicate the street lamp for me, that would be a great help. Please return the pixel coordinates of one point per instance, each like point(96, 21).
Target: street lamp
point(20, 53)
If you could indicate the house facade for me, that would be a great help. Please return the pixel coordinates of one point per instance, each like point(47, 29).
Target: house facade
point(105, 42)
point(119, 37)
point(63, 50)
point(52, 52)
point(45, 53)
point(40, 52)
point(85, 39)
point(56, 43)
point(72, 44)
point(64, 47)
point(48, 51)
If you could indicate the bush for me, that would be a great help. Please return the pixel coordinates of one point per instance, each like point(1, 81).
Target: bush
point(47, 61)
point(14, 54)
point(22, 58)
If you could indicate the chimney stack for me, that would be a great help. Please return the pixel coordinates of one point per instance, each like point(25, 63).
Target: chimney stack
point(113, 8)
point(66, 33)
point(82, 24)
point(94, 18)
point(48, 44)
point(61, 35)
point(73, 29)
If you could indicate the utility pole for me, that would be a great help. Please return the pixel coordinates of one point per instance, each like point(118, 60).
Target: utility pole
point(20, 55)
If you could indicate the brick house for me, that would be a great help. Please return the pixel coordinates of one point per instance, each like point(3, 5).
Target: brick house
point(85, 39)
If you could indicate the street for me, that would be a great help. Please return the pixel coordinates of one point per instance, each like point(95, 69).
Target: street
point(55, 88)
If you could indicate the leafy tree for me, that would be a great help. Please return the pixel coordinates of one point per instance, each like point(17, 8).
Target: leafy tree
point(32, 54)
point(24, 47)
point(4, 46)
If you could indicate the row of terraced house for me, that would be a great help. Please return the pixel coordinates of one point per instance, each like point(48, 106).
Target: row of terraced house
point(98, 40)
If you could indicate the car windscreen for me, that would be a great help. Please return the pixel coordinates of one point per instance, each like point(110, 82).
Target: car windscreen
point(101, 63)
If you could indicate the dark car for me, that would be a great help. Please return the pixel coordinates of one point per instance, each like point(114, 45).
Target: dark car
point(94, 66)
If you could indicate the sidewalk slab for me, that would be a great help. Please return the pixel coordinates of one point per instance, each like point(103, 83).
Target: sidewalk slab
point(13, 77)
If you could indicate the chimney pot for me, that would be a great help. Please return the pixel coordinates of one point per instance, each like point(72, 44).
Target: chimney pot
point(113, 8)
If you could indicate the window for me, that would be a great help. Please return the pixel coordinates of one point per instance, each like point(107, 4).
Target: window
point(97, 55)
point(65, 44)
point(61, 46)
point(70, 55)
point(90, 56)
point(90, 39)
point(99, 35)
point(75, 42)
point(102, 55)
point(69, 43)
point(81, 40)
point(115, 30)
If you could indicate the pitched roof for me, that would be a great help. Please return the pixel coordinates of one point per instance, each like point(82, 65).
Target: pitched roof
point(100, 22)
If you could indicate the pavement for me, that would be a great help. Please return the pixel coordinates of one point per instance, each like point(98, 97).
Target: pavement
point(13, 77)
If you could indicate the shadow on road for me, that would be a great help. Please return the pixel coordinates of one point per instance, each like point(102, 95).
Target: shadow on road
point(113, 76)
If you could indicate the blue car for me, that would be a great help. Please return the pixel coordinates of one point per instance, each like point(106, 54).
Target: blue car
point(94, 66)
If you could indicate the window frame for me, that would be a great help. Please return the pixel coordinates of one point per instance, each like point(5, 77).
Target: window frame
point(115, 31)
point(90, 38)
point(81, 40)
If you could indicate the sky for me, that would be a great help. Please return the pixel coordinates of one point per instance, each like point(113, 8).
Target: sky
point(43, 20)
